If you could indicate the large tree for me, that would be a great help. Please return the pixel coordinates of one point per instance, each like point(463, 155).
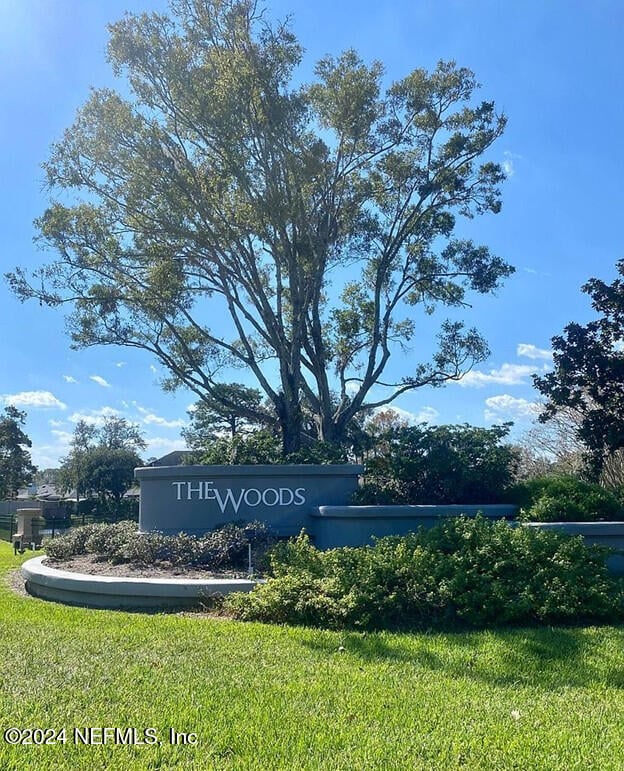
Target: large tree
point(588, 374)
point(101, 460)
point(219, 414)
point(16, 468)
point(227, 216)
point(110, 472)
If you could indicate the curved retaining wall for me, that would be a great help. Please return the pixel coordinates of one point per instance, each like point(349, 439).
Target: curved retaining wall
point(83, 589)
point(334, 526)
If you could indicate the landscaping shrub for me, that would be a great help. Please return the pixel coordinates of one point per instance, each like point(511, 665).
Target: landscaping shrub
point(74, 542)
point(463, 572)
point(439, 465)
point(225, 548)
point(564, 499)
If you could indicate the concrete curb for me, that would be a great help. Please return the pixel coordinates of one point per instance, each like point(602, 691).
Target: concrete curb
point(87, 590)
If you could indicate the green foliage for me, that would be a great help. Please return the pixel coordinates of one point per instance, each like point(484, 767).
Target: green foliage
point(439, 464)
point(264, 447)
point(462, 572)
point(588, 373)
point(227, 409)
point(101, 461)
point(110, 472)
point(225, 548)
point(118, 434)
point(564, 499)
point(267, 697)
point(318, 452)
point(216, 186)
point(16, 468)
point(258, 447)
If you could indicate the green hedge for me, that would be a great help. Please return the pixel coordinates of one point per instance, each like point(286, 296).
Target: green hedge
point(439, 465)
point(463, 572)
point(564, 499)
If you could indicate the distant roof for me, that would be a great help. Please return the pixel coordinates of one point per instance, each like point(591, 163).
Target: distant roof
point(175, 458)
point(45, 492)
point(26, 493)
point(48, 493)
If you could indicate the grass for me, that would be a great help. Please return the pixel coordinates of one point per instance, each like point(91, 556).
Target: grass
point(262, 697)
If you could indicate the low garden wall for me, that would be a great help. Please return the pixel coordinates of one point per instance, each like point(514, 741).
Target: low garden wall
point(334, 526)
point(608, 534)
point(196, 499)
point(96, 591)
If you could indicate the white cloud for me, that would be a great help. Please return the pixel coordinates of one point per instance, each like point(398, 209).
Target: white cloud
point(36, 399)
point(153, 369)
point(49, 455)
point(94, 417)
point(424, 415)
point(69, 379)
point(158, 446)
point(508, 374)
point(56, 423)
point(150, 418)
point(533, 352)
point(506, 407)
point(100, 381)
point(120, 363)
point(534, 272)
point(508, 163)
point(63, 438)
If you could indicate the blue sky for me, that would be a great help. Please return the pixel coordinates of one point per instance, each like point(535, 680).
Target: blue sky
point(555, 68)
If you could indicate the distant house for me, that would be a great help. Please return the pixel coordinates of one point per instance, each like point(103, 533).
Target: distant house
point(44, 497)
point(175, 458)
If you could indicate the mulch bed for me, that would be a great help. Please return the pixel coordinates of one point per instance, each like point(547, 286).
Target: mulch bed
point(92, 565)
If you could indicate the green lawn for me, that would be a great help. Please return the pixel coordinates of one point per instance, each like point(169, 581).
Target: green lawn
point(261, 697)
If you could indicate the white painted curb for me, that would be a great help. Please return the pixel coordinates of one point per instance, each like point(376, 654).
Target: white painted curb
point(123, 592)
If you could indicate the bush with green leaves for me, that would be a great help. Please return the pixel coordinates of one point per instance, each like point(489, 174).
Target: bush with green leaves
point(264, 447)
point(564, 499)
point(465, 571)
point(225, 548)
point(439, 465)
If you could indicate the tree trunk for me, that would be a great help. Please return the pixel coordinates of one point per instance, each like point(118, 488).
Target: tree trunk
point(291, 425)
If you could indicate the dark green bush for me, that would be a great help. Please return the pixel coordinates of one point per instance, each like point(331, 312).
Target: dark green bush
point(226, 548)
point(262, 446)
point(439, 465)
point(463, 572)
point(564, 499)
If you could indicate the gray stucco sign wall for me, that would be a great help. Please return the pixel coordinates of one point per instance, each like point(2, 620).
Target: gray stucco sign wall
point(195, 499)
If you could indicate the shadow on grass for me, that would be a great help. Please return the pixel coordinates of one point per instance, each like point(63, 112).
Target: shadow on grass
point(542, 657)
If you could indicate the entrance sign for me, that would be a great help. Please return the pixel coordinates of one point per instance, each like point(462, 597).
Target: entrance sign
point(195, 499)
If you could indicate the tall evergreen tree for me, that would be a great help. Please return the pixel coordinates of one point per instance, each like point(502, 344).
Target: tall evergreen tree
point(16, 468)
